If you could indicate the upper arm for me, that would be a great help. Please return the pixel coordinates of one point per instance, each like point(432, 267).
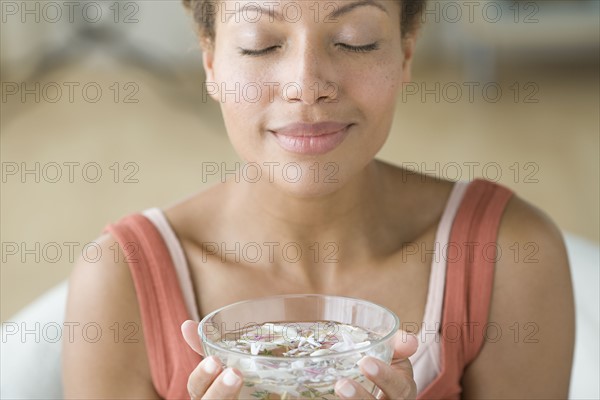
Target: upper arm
point(528, 350)
point(104, 354)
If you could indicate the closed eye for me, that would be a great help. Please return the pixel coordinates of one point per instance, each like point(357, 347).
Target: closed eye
point(360, 49)
point(355, 49)
point(255, 53)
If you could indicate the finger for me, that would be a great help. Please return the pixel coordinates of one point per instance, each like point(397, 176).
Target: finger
point(189, 329)
point(404, 366)
point(396, 381)
point(227, 386)
point(405, 345)
point(349, 389)
point(203, 376)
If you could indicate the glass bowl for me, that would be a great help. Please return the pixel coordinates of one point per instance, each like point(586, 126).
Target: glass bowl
point(238, 336)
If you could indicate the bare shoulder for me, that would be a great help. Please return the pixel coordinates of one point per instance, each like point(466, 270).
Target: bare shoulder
point(199, 212)
point(105, 356)
point(528, 349)
point(413, 195)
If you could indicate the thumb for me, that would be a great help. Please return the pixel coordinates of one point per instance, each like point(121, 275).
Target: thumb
point(405, 344)
point(189, 329)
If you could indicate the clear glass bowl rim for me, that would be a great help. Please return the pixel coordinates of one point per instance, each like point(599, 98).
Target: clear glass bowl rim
point(374, 344)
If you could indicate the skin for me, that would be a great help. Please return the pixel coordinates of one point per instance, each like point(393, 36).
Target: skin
point(308, 211)
point(313, 210)
point(371, 213)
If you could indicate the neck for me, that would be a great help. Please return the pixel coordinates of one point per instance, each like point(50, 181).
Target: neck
point(336, 231)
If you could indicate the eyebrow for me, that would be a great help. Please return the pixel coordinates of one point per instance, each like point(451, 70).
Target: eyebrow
point(338, 12)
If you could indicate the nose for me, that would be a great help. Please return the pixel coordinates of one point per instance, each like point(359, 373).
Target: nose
point(311, 72)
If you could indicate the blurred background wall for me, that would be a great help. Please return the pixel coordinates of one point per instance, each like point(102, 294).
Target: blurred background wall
point(103, 114)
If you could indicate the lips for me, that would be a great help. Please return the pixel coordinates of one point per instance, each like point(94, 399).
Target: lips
point(298, 129)
point(311, 139)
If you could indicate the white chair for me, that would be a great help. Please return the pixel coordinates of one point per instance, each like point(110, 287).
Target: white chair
point(31, 364)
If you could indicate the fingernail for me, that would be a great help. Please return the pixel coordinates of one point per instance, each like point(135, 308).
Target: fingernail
point(368, 365)
point(186, 322)
point(345, 388)
point(210, 366)
point(230, 378)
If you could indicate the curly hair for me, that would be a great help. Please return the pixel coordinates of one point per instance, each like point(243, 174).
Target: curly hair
point(410, 17)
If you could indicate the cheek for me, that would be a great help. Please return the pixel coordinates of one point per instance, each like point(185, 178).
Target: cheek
point(248, 79)
point(245, 91)
point(375, 88)
point(374, 94)
point(243, 96)
point(241, 125)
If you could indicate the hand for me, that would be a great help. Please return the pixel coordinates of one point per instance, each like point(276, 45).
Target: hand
point(395, 381)
point(208, 380)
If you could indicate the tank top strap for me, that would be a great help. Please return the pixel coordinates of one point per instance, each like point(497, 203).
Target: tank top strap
point(483, 234)
point(469, 278)
point(161, 303)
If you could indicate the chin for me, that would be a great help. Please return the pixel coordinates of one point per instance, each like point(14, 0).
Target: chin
point(316, 179)
point(311, 177)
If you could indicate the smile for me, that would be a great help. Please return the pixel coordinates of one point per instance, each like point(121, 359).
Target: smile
point(311, 145)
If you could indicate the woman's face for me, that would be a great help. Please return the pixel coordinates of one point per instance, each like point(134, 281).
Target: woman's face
point(340, 61)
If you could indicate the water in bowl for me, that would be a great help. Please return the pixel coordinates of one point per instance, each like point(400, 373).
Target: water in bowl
point(304, 366)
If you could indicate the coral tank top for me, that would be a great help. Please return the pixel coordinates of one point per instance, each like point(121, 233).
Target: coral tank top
point(456, 310)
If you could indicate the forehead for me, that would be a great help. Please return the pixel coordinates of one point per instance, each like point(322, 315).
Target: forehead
point(294, 10)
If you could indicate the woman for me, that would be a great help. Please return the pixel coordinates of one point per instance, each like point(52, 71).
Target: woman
point(308, 93)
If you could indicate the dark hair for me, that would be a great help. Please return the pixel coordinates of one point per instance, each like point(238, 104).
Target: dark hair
point(410, 17)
